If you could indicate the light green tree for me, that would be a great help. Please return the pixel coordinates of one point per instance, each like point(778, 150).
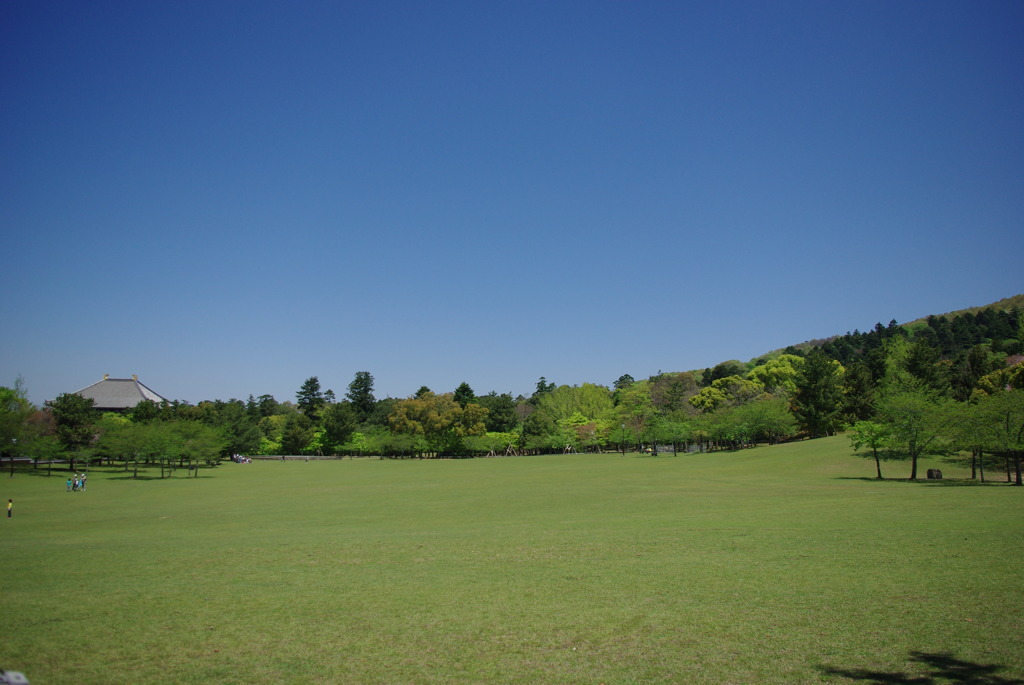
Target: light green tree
point(1002, 426)
point(871, 435)
point(778, 373)
point(917, 423)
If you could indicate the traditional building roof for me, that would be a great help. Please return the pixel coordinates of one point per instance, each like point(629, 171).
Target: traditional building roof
point(118, 394)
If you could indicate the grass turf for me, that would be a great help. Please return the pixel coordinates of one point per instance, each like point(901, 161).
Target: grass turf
point(784, 564)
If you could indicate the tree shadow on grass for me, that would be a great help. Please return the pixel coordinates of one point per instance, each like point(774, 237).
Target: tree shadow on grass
point(943, 668)
point(936, 483)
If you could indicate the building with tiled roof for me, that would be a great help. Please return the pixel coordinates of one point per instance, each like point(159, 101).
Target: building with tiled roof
point(118, 394)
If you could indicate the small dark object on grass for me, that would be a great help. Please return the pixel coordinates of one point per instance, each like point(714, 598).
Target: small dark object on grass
point(934, 474)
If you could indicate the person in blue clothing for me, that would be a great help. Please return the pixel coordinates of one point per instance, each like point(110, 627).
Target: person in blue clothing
point(69, 483)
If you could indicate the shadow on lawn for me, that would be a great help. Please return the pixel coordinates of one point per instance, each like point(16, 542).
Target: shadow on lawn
point(943, 483)
point(110, 473)
point(944, 668)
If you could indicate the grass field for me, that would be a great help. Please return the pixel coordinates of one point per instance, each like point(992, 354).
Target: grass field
point(784, 564)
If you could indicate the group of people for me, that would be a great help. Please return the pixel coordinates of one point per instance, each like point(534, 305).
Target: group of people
point(239, 459)
point(76, 483)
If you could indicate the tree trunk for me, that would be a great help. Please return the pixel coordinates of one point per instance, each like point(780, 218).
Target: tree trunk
point(878, 464)
point(913, 466)
point(1016, 460)
point(981, 464)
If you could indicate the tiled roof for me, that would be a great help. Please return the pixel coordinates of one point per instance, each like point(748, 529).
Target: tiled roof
point(119, 393)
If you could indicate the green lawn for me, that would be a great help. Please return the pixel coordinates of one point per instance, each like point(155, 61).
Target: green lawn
point(784, 564)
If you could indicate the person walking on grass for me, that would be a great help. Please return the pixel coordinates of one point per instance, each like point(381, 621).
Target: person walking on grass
point(10, 505)
point(83, 482)
point(69, 483)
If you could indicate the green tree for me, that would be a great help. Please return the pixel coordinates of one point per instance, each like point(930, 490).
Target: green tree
point(440, 420)
point(501, 412)
point(818, 401)
point(670, 391)
point(195, 441)
point(310, 399)
point(624, 381)
point(360, 394)
point(917, 423)
point(778, 374)
point(339, 425)
point(464, 394)
point(769, 418)
point(732, 367)
point(1002, 423)
point(541, 389)
point(298, 433)
point(15, 412)
point(858, 392)
point(75, 417)
point(239, 430)
point(636, 410)
point(871, 435)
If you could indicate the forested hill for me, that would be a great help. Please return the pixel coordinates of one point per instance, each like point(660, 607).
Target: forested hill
point(956, 330)
point(1007, 304)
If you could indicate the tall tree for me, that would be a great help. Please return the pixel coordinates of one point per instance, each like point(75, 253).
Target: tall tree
point(464, 394)
point(818, 400)
point(339, 425)
point(360, 394)
point(310, 398)
point(76, 418)
point(858, 392)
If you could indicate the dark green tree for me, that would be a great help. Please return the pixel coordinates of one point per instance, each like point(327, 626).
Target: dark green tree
point(723, 370)
point(818, 400)
point(339, 425)
point(360, 394)
point(858, 392)
point(624, 381)
point(239, 430)
point(501, 412)
point(75, 417)
point(310, 399)
point(464, 394)
point(298, 433)
point(541, 389)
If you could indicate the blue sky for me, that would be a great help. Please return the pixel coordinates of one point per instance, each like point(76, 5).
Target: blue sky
point(226, 198)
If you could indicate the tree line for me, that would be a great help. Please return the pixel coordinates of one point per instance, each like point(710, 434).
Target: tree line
point(944, 385)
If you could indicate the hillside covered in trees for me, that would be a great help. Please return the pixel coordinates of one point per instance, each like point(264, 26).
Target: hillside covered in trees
point(947, 383)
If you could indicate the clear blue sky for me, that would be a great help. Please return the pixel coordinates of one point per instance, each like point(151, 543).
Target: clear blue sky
point(226, 198)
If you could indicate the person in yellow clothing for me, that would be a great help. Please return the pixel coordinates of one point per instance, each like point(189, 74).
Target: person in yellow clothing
point(10, 505)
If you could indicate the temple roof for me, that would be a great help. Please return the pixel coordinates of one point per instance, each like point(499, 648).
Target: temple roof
point(118, 394)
